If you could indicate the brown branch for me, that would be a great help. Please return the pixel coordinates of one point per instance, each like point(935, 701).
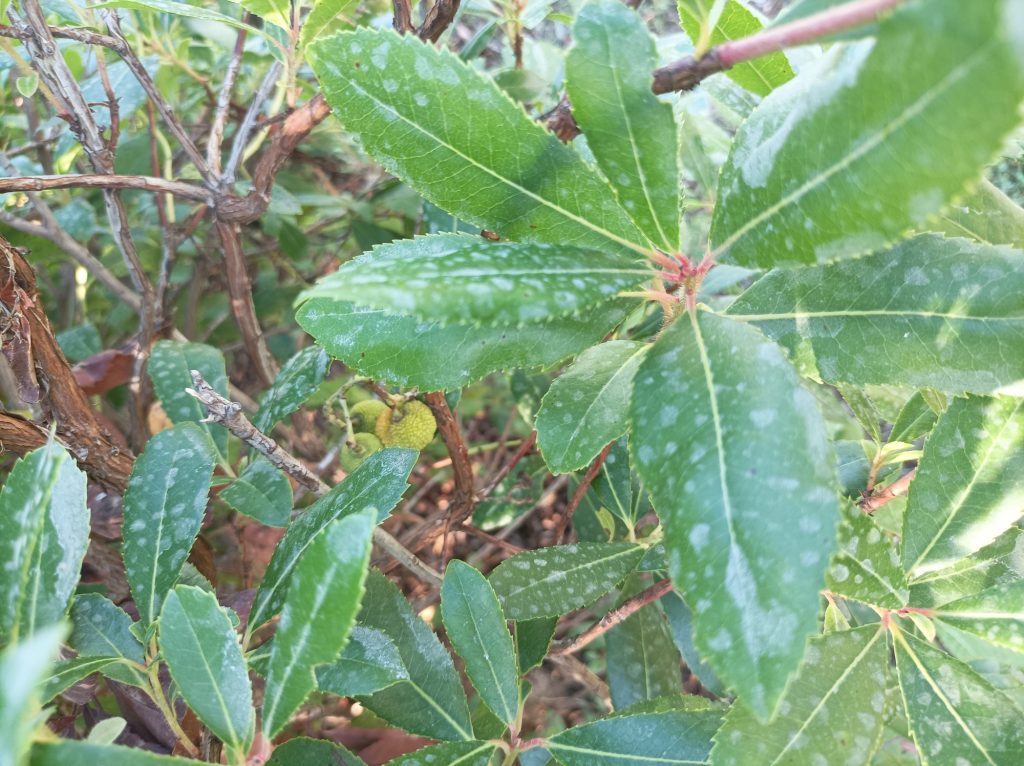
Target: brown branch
point(439, 18)
point(613, 618)
point(688, 72)
point(93, 181)
point(403, 17)
point(229, 414)
point(464, 497)
point(220, 117)
point(581, 490)
point(86, 36)
point(872, 502)
point(505, 470)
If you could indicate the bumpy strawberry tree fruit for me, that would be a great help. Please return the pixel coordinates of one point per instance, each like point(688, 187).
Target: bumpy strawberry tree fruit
point(410, 424)
point(353, 455)
point(365, 414)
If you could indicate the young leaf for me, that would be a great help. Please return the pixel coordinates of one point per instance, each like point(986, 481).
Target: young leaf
point(378, 483)
point(825, 141)
point(67, 752)
point(163, 510)
point(968, 487)
point(955, 715)
point(262, 492)
point(643, 662)
point(631, 133)
point(23, 665)
point(949, 314)
point(916, 419)
point(472, 753)
point(987, 215)
point(996, 615)
point(99, 628)
point(735, 456)
point(369, 662)
point(297, 381)
point(453, 278)
point(318, 614)
point(835, 705)
point(302, 751)
point(553, 581)
point(44, 531)
point(426, 355)
point(761, 75)
point(663, 737)
point(432, 121)
point(277, 12)
point(1000, 563)
point(588, 405)
point(201, 649)
point(476, 627)
point(431, 703)
point(320, 17)
point(867, 565)
point(170, 367)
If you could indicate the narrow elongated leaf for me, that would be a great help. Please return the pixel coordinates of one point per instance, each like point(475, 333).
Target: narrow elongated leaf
point(867, 566)
point(588, 405)
point(553, 581)
point(735, 456)
point(825, 141)
point(201, 649)
point(22, 666)
point(301, 751)
point(277, 12)
point(1000, 563)
point(987, 215)
point(476, 627)
point(369, 662)
point(178, 9)
point(318, 614)
point(454, 278)
point(664, 737)
point(44, 531)
point(431, 120)
point(955, 715)
point(916, 418)
point(170, 367)
point(320, 17)
point(472, 753)
point(970, 483)
point(99, 628)
point(680, 620)
point(643, 663)
point(298, 379)
point(69, 752)
point(834, 707)
point(996, 614)
point(427, 355)
point(949, 314)
point(69, 672)
point(163, 510)
point(432, 702)
point(378, 483)
point(262, 492)
point(631, 133)
point(761, 75)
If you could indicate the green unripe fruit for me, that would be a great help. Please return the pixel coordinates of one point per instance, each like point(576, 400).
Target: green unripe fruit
point(410, 425)
point(353, 456)
point(366, 414)
point(356, 394)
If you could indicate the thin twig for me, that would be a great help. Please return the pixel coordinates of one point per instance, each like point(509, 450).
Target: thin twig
point(506, 469)
point(403, 17)
point(581, 490)
point(220, 117)
point(465, 494)
point(438, 19)
point(104, 181)
point(248, 122)
point(613, 618)
point(901, 486)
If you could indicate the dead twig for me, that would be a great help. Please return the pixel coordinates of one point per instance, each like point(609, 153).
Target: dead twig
point(613, 618)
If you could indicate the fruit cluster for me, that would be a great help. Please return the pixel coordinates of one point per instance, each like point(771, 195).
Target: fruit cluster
point(409, 423)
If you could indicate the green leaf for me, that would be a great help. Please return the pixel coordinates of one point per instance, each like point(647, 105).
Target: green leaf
point(432, 120)
point(453, 278)
point(630, 131)
point(321, 16)
point(472, 753)
point(987, 215)
point(431, 702)
point(22, 666)
point(643, 662)
point(968, 489)
point(318, 614)
point(761, 75)
point(915, 420)
point(664, 737)
point(302, 751)
point(277, 12)
point(996, 615)
point(1000, 563)
point(735, 456)
point(69, 672)
point(71, 753)
point(261, 492)
point(369, 662)
point(533, 639)
point(163, 510)
point(864, 410)
point(867, 565)
point(680, 620)
point(426, 355)
point(476, 627)
point(378, 483)
point(298, 380)
point(949, 314)
point(177, 9)
point(170, 367)
point(553, 581)
point(199, 644)
point(825, 141)
point(102, 629)
point(44, 532)
point(588, 405)
point(955, 715)
point(834, 707)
